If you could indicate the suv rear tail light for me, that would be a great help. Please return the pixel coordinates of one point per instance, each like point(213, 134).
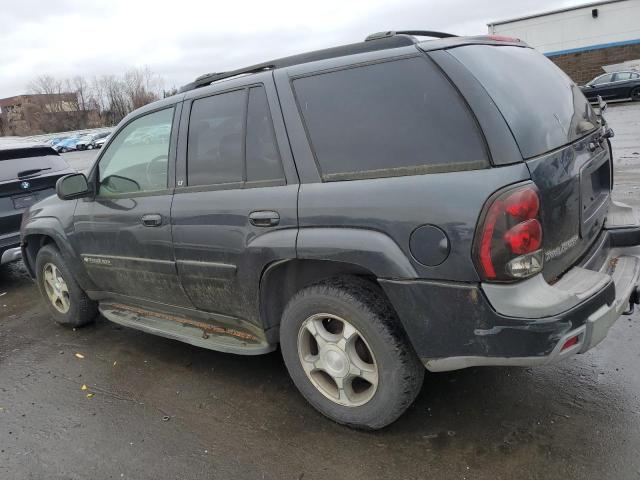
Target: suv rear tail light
point(509, 237)
point(503, 38)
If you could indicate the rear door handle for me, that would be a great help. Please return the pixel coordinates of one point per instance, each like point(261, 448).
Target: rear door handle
point(152, 220)
point(264, 218)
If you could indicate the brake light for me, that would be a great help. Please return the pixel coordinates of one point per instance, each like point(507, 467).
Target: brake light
point(525, 237)
point(503, 38)
point(510, 235)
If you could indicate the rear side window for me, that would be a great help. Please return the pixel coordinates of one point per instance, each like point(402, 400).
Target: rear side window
point(231, 140)
point(215, 139)
point(263, 159)
point(544, 108)
point(394, 118)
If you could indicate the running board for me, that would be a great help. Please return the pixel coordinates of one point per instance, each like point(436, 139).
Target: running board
point(194, 332)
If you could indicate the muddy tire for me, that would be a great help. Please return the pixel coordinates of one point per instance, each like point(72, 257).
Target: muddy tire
point(348, 355)
point(66, 301)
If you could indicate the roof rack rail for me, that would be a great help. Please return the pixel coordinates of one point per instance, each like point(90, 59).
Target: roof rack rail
point(209, 78)
point(383, 41)
point(418, 33)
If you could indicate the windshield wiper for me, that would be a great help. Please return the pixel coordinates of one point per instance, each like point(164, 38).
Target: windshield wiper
point(33, 171)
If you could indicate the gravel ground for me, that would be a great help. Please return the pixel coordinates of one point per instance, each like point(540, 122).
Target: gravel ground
point(162, 409)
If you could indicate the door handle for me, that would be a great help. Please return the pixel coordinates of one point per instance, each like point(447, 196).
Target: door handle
point(264, 218)
point(152, 220)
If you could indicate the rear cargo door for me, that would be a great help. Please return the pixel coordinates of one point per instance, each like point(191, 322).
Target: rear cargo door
point(558, 135)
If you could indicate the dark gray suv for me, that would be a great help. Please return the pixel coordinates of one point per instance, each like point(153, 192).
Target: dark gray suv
point(373, 209)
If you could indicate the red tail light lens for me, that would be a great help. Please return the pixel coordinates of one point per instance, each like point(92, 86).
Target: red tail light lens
point(510, 235)
point(525, 237)
point(503, 38)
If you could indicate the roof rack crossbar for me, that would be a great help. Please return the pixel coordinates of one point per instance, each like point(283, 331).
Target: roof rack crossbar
point(419, 33)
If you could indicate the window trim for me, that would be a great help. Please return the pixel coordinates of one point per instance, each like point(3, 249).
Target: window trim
point(392, 172)
point(244, 183)
point(93, 176)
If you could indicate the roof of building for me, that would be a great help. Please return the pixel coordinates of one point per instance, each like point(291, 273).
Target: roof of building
point(553, 12)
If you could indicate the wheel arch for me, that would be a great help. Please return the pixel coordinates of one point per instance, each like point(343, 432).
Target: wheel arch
point(49, 231)
point(283, 279)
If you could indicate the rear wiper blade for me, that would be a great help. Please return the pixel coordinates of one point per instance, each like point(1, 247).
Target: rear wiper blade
point(33, 171)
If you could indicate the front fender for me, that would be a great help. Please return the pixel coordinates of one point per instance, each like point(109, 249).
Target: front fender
point(33, 233)
point(369, 249)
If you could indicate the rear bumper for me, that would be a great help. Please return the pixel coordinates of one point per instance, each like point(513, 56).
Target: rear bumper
point(10, 247)
point(453, 326)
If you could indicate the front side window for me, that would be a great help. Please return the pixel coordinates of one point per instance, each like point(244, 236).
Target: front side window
point(400, 117)
point(137, 159)
point(622, 76)
point(602, 79)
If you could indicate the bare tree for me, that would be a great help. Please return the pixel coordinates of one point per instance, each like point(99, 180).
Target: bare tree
point(81, 88)
point(74, 103)
point(140, 86)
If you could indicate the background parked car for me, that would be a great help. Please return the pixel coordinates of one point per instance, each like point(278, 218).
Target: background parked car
point(83, 142)
point(97, 138)
point(28, 173)
point(54, 141)
point(87, 141)
point(613, 86)
point(67, 145)
point(101, 141)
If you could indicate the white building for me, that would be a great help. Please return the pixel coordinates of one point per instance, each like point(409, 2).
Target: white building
point(585, 40)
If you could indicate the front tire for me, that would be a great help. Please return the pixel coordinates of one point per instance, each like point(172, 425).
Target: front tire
point(66, 301)
point(347, 354)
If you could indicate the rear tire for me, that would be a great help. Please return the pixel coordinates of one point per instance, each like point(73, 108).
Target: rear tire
point(66, 301)
point(362, 371)
point(635, 94)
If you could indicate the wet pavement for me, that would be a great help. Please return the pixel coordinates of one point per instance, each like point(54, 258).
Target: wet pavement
point(162, 409)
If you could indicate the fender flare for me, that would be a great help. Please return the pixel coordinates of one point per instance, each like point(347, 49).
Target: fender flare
point(366, 248)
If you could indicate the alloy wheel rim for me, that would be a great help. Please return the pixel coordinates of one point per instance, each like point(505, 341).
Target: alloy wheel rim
point(337, 360)
point(56, 288)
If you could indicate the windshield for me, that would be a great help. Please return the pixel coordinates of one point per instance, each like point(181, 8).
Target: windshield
point(544, 108)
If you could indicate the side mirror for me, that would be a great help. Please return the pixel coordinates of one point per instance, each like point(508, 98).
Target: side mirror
point(72, 186)
point(591, 85)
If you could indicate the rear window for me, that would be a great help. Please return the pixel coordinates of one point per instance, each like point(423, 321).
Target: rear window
point(28, 162)
point(544, 108)
point(399, 117)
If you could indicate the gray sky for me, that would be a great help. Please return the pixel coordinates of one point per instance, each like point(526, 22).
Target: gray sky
point(180, 40)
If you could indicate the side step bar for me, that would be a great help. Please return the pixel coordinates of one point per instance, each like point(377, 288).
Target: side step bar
point(194, 332)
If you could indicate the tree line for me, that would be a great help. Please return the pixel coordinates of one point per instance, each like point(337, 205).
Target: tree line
point(79, 102)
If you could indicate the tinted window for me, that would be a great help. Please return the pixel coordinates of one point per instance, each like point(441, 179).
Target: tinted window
point(216, 139)
point(602, 79)
point(543, 106)
point(137, 158)
point(263, 159)
point(622, 76)
point(26, 163)
point(394, 118)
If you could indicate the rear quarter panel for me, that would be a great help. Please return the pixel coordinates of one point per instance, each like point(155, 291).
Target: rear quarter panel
point(397, 206)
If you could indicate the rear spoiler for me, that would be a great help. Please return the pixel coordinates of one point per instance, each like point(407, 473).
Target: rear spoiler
point(26, 151)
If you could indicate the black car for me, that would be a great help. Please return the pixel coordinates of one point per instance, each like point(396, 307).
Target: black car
point(28, 173)
point(613, 86)
point(372, 209)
